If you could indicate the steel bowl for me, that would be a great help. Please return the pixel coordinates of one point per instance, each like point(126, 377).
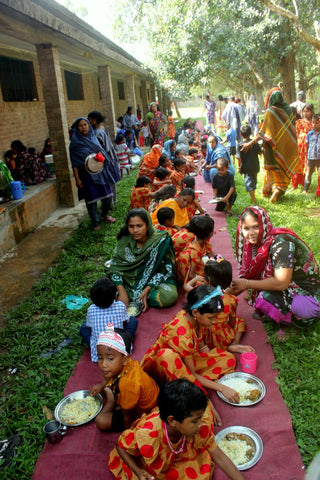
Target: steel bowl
point(68, 399)
point(256, 383)
point(256, 439)
point(134, 309)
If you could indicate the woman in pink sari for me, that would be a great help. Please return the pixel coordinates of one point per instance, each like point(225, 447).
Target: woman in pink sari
point(156, 123)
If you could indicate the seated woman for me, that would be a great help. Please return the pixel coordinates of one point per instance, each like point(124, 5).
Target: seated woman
point(179, 205)
point(28, 168)
point(215, 150)
point(169, 148)
point(150, 162)
point(280, 269)
point(143, 265)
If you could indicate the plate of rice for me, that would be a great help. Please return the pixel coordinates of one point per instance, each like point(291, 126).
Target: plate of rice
point(251, 389)
point(242, 445)
point(78, 408)
point(134, 309)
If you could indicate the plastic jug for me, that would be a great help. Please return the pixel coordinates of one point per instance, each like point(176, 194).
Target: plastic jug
point(17, 188)
point(248, 362)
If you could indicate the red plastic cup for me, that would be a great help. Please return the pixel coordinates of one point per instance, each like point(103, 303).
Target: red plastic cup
point(248, 362)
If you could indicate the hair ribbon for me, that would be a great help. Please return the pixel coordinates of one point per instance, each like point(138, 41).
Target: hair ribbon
point(215, 293)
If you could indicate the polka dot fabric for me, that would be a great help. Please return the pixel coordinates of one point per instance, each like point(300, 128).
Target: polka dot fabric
point(178, 340)
point(189, 258)
point(194, 462)
point(140, 198)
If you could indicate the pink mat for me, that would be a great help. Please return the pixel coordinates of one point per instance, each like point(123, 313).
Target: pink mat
point(83, 453)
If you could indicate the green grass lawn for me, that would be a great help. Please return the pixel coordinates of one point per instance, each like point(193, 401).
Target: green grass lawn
point(41, 322)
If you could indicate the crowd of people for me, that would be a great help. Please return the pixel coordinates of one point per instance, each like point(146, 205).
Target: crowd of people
point(161, 405)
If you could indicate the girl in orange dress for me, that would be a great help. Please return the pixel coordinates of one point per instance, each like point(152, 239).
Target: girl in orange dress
point(166, 221)
point(171, 129)
point(141, 194)
point(178, 173)
point(189, 262)
point(195, 206)
point(303, 126)
point(182, 238)
point(150, 162)
point(180, 350)
point(175, 441)
point(161, 178)
point(228, 327)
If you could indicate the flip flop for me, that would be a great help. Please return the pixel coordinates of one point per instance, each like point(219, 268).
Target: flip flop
point(6, 457)
point(108, 219)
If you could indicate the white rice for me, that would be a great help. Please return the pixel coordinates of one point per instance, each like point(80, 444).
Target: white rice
point(79, 410)
point(242, 387)
point(235, 449)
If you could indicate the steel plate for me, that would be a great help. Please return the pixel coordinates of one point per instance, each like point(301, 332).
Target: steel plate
point(257, 383)
point(68, 399)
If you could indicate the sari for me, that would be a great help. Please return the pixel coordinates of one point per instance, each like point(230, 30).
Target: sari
point(303, 127)
point(280, 248)
point(152, 265)
point(167, 149)
point(180, 214)
point(281, 158)
point(150, 162)
point(156, 128)
point(5, 180)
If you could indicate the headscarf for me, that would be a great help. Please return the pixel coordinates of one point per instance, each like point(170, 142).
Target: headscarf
point(259, 265)
point(167, 149)
point(275, 99)
point(151, 159)
point(128, 257)
point(111, 339)
point(81, 146)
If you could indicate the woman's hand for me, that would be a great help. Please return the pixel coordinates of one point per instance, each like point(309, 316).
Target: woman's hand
point(238, 286)
point(229, 394)
point(144, 298)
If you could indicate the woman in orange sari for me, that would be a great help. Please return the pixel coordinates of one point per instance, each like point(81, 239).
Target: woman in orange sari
point(150, 162)
point(303, 126)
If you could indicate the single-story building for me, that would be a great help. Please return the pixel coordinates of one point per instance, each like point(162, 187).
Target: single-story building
point(54, 68)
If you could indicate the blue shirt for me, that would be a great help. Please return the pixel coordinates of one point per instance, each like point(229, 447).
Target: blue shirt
point(231, 135)
point(98, 318)
point(313, 139)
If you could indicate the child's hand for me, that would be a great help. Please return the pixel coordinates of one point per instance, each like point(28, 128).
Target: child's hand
point(238, 348)
point(230, 394)
point(96, 389)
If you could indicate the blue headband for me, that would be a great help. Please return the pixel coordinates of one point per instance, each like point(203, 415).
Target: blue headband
point(215, 293)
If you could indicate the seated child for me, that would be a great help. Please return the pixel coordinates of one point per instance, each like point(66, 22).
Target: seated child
point(140, 194)
point(178, 173)
point(123, 154)
point(105, 309)
point(161, 178)
point(165, 217)
point(180, 352)
point(165, 162)
point(189, 262)
point(248, 162)
point(231, 141)
point(224, 187)
point(129, 391)
point(176, 441)
point(193, 207)
point(228, 327)
point(182, 238)
point(145, 133)
point(190, 159)
point(164, 193)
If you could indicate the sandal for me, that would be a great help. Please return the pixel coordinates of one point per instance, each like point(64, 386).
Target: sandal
point(108, 219)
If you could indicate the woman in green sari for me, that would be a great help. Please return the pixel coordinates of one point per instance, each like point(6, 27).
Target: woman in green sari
point(143, 265)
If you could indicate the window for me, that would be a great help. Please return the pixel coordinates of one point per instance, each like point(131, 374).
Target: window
point(74, 85)
point(17, 80)
point(121, 91)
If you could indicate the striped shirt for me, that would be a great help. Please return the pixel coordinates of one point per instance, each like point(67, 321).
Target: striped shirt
point(98, 318)
point(313, 140)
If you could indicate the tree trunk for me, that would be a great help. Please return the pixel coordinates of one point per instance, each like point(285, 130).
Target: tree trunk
point(176, 107)
point(287, 75)
point(303, 82)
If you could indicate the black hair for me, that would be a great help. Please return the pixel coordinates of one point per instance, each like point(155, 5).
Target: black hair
point(309, 106)
point(214, 305)
point(103, 292)
point(163, 158)
point(178, 162)
point(18, 146)
point(161, 173)
point(126, 337)
point(9, 154)
point(179, 399)
point(187, 192)
point(186, 125)
point(135, 212)
point(189, 182)
point(223, 161)
point(218, 273)
point(129, 109)
point(46, 142)
point(119, 119)
point(128, 132)
point(164, 214)
point(193, 150)
point(119, 138)
point(246, 130)
point(202, 227)
point(204, 145)
point(143, 180)
point(165, 193)
point(220, 97)
point(316, 116)
point(191, 141)
point(248, 212)
point(169, 112)
point(96, 115)
point(31, 150)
